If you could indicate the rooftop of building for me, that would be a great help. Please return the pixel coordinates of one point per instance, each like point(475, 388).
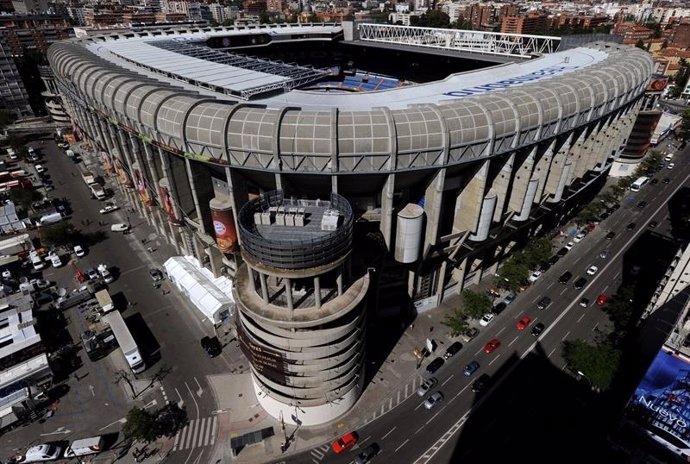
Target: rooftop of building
point(17, 324)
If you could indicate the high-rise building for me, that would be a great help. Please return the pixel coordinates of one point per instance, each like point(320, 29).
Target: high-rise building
point(530, 23)
point(30, 6)
point(13, 96)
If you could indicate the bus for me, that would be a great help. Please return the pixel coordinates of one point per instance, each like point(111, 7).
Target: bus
point(637, 185)
point(125, 340)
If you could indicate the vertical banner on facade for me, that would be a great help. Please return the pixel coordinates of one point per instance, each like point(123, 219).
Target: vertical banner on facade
point(223, 224)
point(141, 185)
point(166, 201)
point(122, 175)
point(107, 164)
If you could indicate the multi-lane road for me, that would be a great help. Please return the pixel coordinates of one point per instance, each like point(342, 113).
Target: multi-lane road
point(411, 434)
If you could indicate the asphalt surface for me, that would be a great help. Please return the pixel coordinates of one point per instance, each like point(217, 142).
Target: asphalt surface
point(535, 400)
point(168, 320)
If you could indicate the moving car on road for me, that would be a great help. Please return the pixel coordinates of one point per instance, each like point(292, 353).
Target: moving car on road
point(211, 346)
point(565, 277)
point(471, 368)
point(579, 283)
point(108, 208)
point(481, 383)
point(119, 227)
point(367, 454)
point(537, 329)
point(544, 303)
point(523, 323)
point(344, 443)
point(591, 270)
point(433, 400)
point(491, 346)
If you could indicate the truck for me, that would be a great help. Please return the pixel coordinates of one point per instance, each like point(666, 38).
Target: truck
point(89, 177)
point(51, 218)
point(98, 341)
point(124, 338)
point(97, 191)
point(84, 447)
point(76, 296)
point(104, 301)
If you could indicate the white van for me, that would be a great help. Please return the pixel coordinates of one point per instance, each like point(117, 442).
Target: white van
point(41, 453)
point(51, 218)
point(119, 227)
point(12, 153)
point(84, 447)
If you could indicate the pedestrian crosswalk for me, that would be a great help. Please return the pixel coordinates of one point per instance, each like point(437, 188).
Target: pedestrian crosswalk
point(198, 433)
point(319, 453)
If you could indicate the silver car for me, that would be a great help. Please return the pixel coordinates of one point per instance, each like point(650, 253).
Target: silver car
point(433, 400)
point(426, 386)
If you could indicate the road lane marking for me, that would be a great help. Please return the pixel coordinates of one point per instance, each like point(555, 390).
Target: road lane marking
point(595, 327)
point(550, 285)
point(448, 379)
point(388, 433)
point(551, 352)
point(434, 416)
point(565, 289)
point(499, 332)
point(514, 340)
point(494, 360)
point(404, 443)
point(565, 337)
point(419, 429)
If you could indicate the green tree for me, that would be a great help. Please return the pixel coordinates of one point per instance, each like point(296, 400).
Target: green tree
point(513, 274)
point(61, 233)
point(475, 304)
point(141, 425)
point(264, 18)
point(536, 252)
point(685, 125)
point(6, 118)
point(456, 322)
point(25, 198)
point(598, 363)
point(591, 212)
point(228, 22)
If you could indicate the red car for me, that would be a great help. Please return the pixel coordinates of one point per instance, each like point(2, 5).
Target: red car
point(345, 442)
point(492, 345)
point(523, 323)
point(601, 301)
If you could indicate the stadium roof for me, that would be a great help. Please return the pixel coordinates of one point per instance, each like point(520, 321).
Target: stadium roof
point(158, 57)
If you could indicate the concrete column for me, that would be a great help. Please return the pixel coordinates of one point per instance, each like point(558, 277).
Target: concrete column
point(500, 185)
point(433, 203)
point(264, 287)
point(522, 176)
point(238, 194)
point(195, 197)
point(251, 277)
point(555, 171)
point(339, 282)
point(174, 199)
point(288, 293)
point(317, 291)
point(458, 274)
point(541, 168)
point(386, 224)
point(279, 181)
point(576, 155)
point(129, 158)
point(468, 205)
point(157, 214)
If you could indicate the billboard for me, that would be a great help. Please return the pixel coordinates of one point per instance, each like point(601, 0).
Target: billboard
point(660, 406)
point(267, 362)
point(223, 226)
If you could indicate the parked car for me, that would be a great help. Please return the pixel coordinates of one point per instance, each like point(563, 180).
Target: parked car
point(40, 168)
point(119, 227)
point(534, 276)
point(344, 443)
point(92, 274)
point(40, 453)
point(108, 208)
point(55, 260)
point(427, 385)
point(211, 346)
point(499, 307)
point(486, 319)
point(578, 238)
point(562, 252)
point(452, 350)
point(156, 275)
point(568, 246)
point(79, 251)
point(435, 365)
point(510, 297)
point(469, 334)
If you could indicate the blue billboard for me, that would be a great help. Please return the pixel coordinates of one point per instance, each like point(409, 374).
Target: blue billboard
point(661, 403)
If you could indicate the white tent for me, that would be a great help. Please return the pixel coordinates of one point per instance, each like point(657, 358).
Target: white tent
point(211, 295)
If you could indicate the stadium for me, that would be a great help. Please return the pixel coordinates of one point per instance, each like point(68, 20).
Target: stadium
point(336, 173)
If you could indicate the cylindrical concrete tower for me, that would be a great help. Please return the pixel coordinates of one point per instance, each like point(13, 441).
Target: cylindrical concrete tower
point(301, 315)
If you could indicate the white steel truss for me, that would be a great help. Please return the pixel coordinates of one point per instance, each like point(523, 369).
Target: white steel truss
point(492, 43)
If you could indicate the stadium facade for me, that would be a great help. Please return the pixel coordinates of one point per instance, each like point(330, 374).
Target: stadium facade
point(283, 188)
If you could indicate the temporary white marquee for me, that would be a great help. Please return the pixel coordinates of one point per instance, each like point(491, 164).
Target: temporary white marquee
point(211, 295)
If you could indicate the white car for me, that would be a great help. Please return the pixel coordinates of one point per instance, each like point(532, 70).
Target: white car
point(119, 227)
point(579, 237)
point(534, 276)
point(486, 319)
point(40, 283)
point(109, 208)
point(41, 453)
point(105, 273)
point(79, 251)
point(6, 274)
point(40, 168)
point(671, 165)
point(591, 270)
point(55, 260)
point(426, 386)
point(569, 245)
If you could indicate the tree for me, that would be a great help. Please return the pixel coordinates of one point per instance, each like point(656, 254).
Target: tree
point(25, 198)
point(475, 304)
point(685, 125)
point(228, 22)
point(61, 233)
point(598, 363)
point(141, 425)
point(456, 322)
point(6, 118)
point(536, 252)
point(171, 419)
point(591, 212)
point(513, 275)
point(264, 18)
